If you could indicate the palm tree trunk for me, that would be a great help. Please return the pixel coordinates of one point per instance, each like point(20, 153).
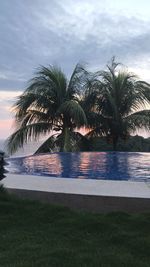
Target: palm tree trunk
point(65, 146)
point(115, 141)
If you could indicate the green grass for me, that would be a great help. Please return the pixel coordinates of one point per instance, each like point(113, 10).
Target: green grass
point(33, 234)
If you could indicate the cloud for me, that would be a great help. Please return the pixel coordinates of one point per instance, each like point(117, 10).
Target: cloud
point(65, 32)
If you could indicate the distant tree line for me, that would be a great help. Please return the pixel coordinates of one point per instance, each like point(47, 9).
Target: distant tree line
point(133, 144)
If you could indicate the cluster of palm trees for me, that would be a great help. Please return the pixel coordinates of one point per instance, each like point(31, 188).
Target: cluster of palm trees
point(110, 103)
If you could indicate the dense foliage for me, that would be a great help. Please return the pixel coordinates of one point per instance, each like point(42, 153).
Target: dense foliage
point(132, 144)
point(2, 164)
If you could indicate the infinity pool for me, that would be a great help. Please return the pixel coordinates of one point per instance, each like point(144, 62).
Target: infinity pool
point(85, 165)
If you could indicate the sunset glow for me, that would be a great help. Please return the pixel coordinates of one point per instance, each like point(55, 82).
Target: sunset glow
point(7, 99)
point(5, 128)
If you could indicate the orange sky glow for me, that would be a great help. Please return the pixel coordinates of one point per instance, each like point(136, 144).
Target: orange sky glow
point(6, 116)
point(7, 99)
point(5, 128)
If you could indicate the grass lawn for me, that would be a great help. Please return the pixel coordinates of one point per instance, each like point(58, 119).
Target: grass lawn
point(33, 234)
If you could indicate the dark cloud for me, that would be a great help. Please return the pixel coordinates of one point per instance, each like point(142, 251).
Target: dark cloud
point(44, 32)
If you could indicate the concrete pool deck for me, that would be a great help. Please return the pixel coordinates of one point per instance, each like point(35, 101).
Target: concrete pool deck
point(84, 194)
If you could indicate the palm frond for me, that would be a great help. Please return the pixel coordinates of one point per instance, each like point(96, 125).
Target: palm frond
point(47, 146)
point(49, 81)
point(143, 90)
point(97, 131)
point(25, 134)
point(139, 120)
point(54, 76)
point(77, 80)
point(72, 109)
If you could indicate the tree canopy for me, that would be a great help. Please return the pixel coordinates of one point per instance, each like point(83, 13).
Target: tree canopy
point(110, 103)
point(50, 105)
point(116, 104)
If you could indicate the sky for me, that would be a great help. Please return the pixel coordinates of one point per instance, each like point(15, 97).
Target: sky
point(64, 32)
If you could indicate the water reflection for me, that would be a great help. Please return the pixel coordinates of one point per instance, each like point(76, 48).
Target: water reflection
point(50, 164)
point(91, 165)
point(70, 164)
point(118, 166)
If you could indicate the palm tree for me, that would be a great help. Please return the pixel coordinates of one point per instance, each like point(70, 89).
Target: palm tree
point(116, 104)
point(50, 105)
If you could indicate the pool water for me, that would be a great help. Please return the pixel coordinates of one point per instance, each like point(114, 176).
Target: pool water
point(85, 165)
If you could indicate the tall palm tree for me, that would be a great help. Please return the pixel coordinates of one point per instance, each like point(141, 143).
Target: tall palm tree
point(50, 105)
point(116, 104)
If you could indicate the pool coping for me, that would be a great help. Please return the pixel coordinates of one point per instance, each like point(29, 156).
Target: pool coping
point(78, 186)
point(84, 194)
